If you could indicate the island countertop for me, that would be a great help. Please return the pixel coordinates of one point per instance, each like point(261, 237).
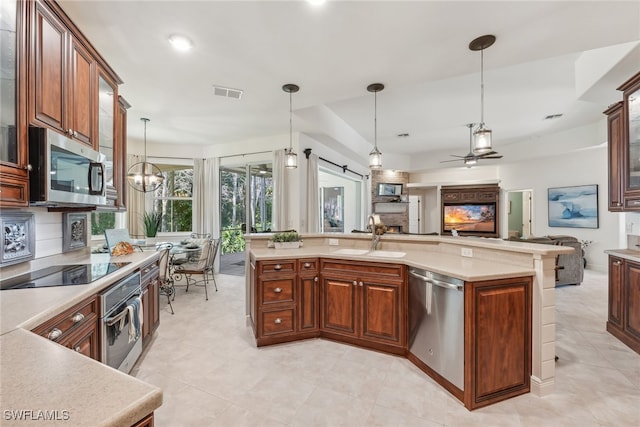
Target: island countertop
point(41, 378)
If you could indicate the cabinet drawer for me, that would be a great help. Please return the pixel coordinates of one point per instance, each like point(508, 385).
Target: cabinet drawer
point(71, 319)
point(278, 321)
point(13, 191)
point(307, 264)
point(281, 266)
point(278, 290)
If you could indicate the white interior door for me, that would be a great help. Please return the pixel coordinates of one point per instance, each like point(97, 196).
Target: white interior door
point(414, 214)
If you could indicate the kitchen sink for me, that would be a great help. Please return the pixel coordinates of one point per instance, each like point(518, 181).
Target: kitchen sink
point(387, 254)
point(350, 251)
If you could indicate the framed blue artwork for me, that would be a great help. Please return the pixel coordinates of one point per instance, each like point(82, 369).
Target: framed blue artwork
point(573, 207)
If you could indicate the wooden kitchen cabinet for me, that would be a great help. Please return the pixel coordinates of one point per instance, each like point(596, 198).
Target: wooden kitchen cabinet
point(145, 422)
point(284, 300)
point(624, 301)
point(77, 328)
point(623, 122)
point(497, 340)
point(14, 174)
point(149, 278)
point(364, 303)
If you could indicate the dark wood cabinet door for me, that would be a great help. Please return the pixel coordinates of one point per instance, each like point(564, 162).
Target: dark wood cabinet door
point(308, 303)
point(615, 132)
point(339, 305)
point(146, 311)
point(631, 300)
point(49, 53)
point(86, 340)
point(154, 297)
point(81, 85)
point(145, 422)
point(497, 340)
point(381, 311)
point(616, 279)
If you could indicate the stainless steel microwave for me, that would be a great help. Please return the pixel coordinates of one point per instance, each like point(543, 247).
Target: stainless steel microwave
point(64, 172)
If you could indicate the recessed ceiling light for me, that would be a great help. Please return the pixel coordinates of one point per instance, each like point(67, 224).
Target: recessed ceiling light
point(180, 43)
point(316, 2)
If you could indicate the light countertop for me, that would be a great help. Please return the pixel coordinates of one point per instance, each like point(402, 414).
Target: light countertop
point(39, 375)
point(630, 254)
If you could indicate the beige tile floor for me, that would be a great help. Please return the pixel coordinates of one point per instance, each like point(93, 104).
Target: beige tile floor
point(205, 360)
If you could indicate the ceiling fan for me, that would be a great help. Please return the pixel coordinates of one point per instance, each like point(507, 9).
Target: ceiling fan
point(471, 158)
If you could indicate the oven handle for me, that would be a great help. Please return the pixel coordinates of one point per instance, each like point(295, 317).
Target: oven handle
point(110, 321)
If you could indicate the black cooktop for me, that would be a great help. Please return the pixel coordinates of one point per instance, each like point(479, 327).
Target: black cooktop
point(61, 275)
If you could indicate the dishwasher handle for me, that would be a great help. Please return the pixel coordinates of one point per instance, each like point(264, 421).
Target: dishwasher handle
point(436, 282)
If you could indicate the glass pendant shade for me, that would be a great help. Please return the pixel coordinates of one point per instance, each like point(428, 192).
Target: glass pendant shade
point(291, 159)
point(144, 176)
point(375, 156)
point(375, 159)
point(482, 140)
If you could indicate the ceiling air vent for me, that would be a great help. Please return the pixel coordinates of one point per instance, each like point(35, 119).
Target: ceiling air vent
point(553, 116)
point(227, 92)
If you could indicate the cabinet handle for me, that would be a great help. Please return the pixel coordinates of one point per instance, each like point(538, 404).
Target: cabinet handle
point(307, 265)
point(315, 279)
point(618, 204)
point(77, 317)
point(277, 321)
point(54, 334)
point(29, 167)
point(618, 262)
point(277, 267)
point(70, 132)
point(355, 283)
point(77, 348)
point(277, 290)
point(361, 284)
point(634, 202)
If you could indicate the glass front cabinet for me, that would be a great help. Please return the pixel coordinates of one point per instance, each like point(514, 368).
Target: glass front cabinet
point(624, 148)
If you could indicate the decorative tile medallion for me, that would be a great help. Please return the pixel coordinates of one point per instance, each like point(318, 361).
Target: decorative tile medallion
point(74, 231)
point(18, 237)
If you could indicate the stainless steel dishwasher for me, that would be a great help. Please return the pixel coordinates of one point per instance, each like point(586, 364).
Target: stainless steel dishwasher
point(436, 323)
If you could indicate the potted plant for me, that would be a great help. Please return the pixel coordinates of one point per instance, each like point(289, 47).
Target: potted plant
point(151, 222)
point(287, 240)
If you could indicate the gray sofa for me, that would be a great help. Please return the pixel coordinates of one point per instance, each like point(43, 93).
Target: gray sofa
point(569, 267)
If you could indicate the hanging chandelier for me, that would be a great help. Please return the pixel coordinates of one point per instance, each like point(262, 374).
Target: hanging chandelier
point(144, 176)
point(375, 156)
point(291, 160)
point(482, 135)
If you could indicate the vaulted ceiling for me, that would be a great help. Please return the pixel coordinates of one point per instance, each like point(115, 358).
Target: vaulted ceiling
point(550, 57)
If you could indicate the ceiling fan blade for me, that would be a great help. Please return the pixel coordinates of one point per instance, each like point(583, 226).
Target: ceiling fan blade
point(489, 153)
point(456, 160)
point(490, 157)
point(460, 157)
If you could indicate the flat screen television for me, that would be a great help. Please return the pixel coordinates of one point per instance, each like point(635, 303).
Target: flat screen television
point(470, 217)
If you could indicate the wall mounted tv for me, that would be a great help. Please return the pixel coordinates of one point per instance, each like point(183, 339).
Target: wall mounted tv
point(476, 218)
point(386, 189)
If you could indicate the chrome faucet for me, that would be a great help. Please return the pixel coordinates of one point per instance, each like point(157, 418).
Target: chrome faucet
point(375, 238)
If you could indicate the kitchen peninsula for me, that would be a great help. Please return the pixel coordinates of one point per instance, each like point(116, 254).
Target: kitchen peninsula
point(277, 303)
point(43, 380)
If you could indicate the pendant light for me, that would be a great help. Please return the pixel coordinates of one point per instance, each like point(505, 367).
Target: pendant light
point(144, 176)
point(482, 135)
point(291, 157)
point(375, 156)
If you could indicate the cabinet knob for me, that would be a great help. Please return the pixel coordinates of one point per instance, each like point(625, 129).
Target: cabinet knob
point(307, 265)
point(361, 284)
point(617, 262)
point(70, 132)
point(618, 204)
point(277, 321)
point(77, 317)
point(277, 267)
point(77, 348)
point(29, 167)
point(315, 279)
point(277, 290)
point(355, 283)
point(54, 334)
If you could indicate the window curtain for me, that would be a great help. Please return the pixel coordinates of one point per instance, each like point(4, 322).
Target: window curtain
point(280, 193)
point(206, 199)
point(313, 195)
point(135, 203)
point(200, 193)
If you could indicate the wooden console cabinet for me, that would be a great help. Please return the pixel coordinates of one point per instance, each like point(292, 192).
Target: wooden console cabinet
point(77, 328)
point(624, 301)
point(471, 194)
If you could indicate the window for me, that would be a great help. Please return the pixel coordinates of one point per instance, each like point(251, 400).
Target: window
point(101, 221)
point(174, 198)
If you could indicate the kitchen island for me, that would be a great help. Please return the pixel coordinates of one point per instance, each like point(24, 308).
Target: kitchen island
point(468, 258)
point(44, 383)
